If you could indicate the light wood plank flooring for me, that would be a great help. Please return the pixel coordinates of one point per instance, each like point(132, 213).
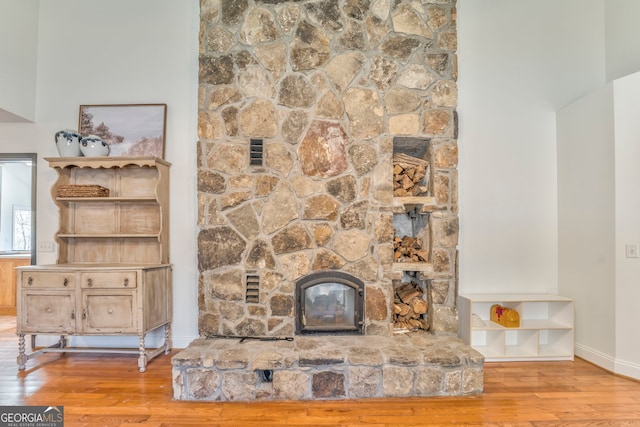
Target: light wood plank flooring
point(100, 390)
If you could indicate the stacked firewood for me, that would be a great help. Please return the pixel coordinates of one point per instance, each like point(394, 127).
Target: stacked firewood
point(410, 176)
point(409, 249)
point(409, 308)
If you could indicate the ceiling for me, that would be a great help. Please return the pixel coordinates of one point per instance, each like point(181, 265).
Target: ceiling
point(9, 117)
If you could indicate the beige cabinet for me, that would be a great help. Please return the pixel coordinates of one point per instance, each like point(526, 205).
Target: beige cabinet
point(46, 302)
point(113, 275)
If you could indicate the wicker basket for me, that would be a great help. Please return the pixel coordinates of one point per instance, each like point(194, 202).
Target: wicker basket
point(82, 191)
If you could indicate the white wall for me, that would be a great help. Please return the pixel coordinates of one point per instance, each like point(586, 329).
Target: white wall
point(18, 51)
point(599, 208)
point(121, 51)
point(622, 37)
point(518, 63)
point(587, 223)
point(553, 224)
point(627, 209)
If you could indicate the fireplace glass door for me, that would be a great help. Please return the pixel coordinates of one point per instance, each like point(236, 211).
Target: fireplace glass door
point(329, 302)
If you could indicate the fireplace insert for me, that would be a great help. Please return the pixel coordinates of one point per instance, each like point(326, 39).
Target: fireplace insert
point(329, 302)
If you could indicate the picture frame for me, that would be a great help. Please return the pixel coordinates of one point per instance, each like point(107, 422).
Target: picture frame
point(128, 129)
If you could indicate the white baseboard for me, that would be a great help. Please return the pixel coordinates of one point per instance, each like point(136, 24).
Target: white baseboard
point(620, 367)
point(597, 358)
point(628, 369)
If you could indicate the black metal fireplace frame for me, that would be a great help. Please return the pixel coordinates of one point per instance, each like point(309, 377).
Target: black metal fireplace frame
point(323, 277)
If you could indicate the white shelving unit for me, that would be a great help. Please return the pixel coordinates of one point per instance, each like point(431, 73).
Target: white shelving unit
point(545, 332)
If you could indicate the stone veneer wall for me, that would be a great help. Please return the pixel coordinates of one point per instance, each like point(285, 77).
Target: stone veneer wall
point(326, 85)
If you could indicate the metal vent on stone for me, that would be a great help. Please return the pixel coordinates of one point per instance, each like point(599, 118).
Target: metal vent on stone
point(255, 152)
point(252, 293)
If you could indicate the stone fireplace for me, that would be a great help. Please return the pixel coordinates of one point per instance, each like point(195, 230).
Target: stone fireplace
point(303, 107)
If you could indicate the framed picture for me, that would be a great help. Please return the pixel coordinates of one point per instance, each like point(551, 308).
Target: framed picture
point(128, 129)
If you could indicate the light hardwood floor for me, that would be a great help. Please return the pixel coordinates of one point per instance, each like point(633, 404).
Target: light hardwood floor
point(108, 391)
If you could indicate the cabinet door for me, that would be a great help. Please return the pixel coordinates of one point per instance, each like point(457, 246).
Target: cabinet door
point(47, 312)
point(109, 311)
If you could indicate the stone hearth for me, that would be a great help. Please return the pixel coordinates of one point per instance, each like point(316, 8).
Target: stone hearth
point(417, 364)
point(303, 106)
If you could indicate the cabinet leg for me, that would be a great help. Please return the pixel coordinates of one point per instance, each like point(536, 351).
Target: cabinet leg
point(142, 359)
point(22, 357)
point(167, 338)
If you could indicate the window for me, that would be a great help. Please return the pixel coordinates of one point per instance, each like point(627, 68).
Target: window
point(21, 228)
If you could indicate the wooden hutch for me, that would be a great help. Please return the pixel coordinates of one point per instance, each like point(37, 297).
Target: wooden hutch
point(112, 275)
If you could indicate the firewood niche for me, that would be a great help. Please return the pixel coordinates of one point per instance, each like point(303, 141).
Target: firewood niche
point(412, 205)
point(409, 307)
point(411, 245)
point(410, 176)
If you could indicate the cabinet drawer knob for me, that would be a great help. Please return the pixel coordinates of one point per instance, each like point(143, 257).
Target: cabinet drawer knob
point(30, 281)
point(89, 282)
point(48, 310)
point(65, 282)
point(110, 311)
point(126, 282)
